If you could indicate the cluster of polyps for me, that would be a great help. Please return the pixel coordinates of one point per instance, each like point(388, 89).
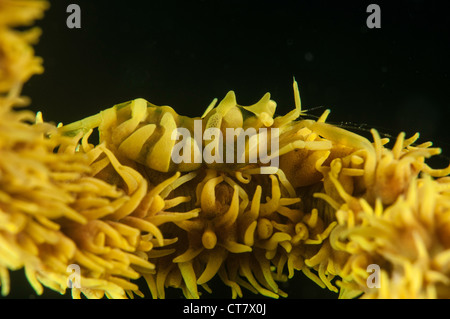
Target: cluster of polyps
point(141, 204)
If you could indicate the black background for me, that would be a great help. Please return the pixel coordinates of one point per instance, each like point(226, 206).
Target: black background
point(185, 53)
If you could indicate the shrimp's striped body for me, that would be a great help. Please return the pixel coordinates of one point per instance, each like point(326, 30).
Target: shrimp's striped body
point(143, 132)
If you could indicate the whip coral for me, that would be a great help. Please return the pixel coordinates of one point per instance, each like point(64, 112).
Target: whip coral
point(54, 211)
point(120, 210)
